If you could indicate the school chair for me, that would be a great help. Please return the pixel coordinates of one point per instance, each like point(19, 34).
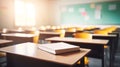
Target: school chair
point(71, 29)
point(36, 37)
point(106, 48)
point(2, 59)
point(102, 32)
point(89, 28)
point(61, 31)
point(79, 29)
point(83, 35)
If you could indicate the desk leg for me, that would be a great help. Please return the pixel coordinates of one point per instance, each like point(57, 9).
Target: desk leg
point(103, 56)
point(82, 64)
point(113, 48)
point(112, 52)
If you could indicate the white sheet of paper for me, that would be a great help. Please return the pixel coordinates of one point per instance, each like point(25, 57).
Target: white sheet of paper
point(82, 10)
point(87, 18)
point(112, 7)
point(97, 14)
point(71, 9)
point(98, 7)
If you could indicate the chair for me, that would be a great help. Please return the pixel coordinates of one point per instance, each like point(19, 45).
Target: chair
point(89, 28)
point(83, 35)
point(110, 29)
point(2, 59)
point(103, 32)
point(79, 29)
point(106, 48)
point(61, 31)
point(71, 29)
point(36, 37)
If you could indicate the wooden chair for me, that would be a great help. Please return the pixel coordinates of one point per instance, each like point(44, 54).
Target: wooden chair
point(36, 37)
point(102, 32)
point(110, 29)
point(71, 29)
point(106, 48)
point(89, 28)
point(83, 35)
point(61, 31)
point(79, 29)
point(2, 59)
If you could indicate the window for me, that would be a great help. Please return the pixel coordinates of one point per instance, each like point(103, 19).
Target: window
point(24, 13)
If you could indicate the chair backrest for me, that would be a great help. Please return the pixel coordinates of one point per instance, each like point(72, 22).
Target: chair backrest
point(89, 28)
point(83, 35)
point(2, 54)
point(36, 37)
point(79, 29)
point(110, 29)
point(103, 32)
point(72, 29)
point(61, 31)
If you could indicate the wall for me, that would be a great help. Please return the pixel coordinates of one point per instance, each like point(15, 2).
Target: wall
point(7, 13)
point(90, 15)
point(61, 3)
point(47, 11)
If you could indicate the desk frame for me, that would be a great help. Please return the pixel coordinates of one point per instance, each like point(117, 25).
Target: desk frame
point(113, 43)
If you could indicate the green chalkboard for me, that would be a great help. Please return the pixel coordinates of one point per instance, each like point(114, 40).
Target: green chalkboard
point(109, 14)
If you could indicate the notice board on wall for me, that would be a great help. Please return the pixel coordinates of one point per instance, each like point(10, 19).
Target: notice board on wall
point(97, 13)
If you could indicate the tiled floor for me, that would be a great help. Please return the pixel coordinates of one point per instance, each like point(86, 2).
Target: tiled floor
point(97, 62)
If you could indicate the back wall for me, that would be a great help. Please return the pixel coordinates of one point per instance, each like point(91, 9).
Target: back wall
point(99, 13)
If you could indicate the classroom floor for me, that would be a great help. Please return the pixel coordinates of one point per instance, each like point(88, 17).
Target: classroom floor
point(97, 62)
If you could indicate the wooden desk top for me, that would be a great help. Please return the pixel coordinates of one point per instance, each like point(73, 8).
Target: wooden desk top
point(18, 35)
point(31, 50)
point(5, 41)
point(99, 35)
point(79, 40)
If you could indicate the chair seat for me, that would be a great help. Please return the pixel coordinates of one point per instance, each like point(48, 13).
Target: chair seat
point(2, 54)
point(105, 46)
point(83, 35)
point(86, 61)
point(2, 59)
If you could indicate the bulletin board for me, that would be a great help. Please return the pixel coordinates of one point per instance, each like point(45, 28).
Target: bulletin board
point(99, 13)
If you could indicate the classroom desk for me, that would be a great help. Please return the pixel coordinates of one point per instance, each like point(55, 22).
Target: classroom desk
point(93, 29)
point(18, 37)
point(47, 34)
point(69, 34)
point(50, 33)
point(113, 43)
point(29, 55)
point(96, 45)
point(4, 43)
point(112, 37)
point(15, 31)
